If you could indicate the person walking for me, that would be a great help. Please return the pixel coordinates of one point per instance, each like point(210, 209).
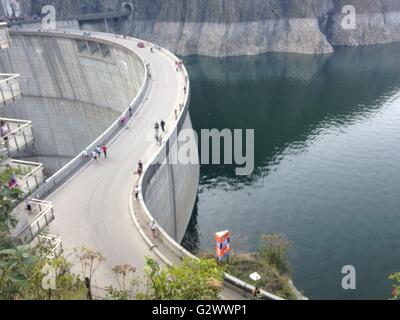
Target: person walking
point(137, 191)
point(104, 149)
point(28, 206)
point(85, 153)
point(140, 168)
point(153, 228)
point(94, 155)
point(4, 131)
point(157, 129)
point(130, 112)
point(163, 125)
point(13, 182)
point(123, 120)
point(98, 150)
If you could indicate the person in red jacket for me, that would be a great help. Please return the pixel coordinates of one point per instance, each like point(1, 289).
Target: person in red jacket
point(104, 149)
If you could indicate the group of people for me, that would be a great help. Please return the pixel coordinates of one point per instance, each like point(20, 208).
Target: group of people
point(158, 135)
point(179, 65)
point(124, 117)
point(97, 152)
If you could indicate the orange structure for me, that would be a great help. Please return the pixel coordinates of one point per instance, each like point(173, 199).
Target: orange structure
point(223, 247)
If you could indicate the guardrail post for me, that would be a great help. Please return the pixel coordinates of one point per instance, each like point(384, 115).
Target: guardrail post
point(30, 231)
point(28, 186)
point(12, 91)
point(15, 139)
point(20, 88)
point(24, 135)
point(36, 181)
point(2, 94)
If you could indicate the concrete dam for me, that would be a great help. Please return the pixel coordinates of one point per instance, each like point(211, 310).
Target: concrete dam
point(74, 88)
point(77, 87)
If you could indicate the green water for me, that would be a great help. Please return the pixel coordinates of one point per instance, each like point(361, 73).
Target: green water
point(327, 159)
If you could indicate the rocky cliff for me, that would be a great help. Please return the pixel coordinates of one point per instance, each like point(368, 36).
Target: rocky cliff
point(240, 27)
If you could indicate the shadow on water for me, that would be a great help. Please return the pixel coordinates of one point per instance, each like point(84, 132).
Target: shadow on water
point(285, 98)
point(191, 240)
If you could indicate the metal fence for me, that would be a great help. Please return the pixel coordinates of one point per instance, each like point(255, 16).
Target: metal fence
point(10, 87)
point(30, 174)
point(43, 218)
point(54, 244)
point(19, 136)
point(4, 36)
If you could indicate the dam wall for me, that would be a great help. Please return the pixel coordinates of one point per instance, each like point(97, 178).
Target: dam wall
point(176, 182)
point(73, 87)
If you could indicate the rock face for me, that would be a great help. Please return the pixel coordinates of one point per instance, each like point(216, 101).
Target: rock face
point(242, 27)
point(378, 21)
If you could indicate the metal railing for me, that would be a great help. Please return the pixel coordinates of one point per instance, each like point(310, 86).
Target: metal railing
point(42, 220)
point(30, 176)
point(53, 242)
point(3, 150)
point(19, 136)
point(10, 87)
point(4, 36)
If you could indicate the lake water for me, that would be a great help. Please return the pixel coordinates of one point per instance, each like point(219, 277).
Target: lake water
point(327, 159)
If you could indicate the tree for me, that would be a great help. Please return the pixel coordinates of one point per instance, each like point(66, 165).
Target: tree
point(396, 287)
point(22, 276)
point(192, 280)
point(22, 266)
point(126, 282)
point(274, 251)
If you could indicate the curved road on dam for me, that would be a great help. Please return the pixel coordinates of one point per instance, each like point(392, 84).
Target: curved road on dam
point(92, 207)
